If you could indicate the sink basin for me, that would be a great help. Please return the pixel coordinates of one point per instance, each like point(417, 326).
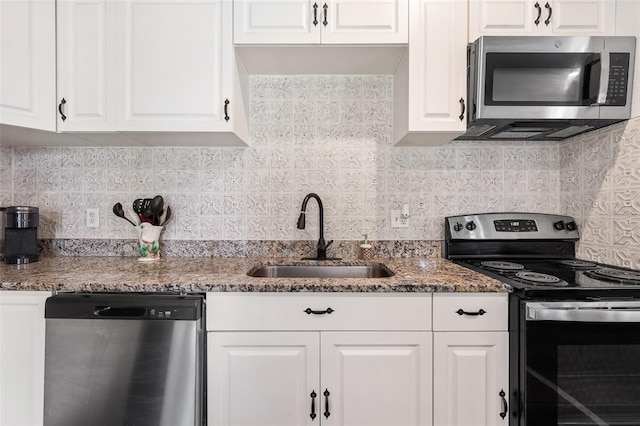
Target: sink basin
point(321, 271)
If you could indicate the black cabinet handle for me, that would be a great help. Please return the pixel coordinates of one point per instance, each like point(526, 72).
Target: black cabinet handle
point(313, 404)
point(473, 314)
point(315, 14)
point(462, 105)
point(505, 406)
point(548, 6)
point(326, 403)
point(325, 7)
point(310, 311)
point(62, 102)
point(226, 110)
point(537, 6)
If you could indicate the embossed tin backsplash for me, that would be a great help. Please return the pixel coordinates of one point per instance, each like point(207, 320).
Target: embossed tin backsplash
point(332, 135)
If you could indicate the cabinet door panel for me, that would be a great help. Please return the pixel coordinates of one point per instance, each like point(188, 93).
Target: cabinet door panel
point(262, 378)
point(502, 17)
point(291, 22)
point(377, 378)
point(175, 57)
point(470, 370)
point(22, 327)
point(28, 63)
point(361, 22)
point(439, 67)
point(86, 65)
point(588, 17)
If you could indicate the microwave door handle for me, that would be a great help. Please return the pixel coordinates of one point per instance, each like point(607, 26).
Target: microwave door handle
point(537, 313)
point(604, 79)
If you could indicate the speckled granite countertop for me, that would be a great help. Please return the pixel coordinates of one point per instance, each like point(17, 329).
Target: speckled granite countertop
point(201, 274)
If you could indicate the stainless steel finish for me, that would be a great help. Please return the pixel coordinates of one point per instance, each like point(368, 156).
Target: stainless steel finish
point(107, 371)
point(321, 271)
point(591, 311)
point(485, 230)
point(604, 79)
point(553, 122)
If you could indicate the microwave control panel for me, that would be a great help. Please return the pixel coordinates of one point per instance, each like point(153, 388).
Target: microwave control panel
point(618, 77)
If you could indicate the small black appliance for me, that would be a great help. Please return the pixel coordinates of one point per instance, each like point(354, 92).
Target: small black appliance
point(21, 234)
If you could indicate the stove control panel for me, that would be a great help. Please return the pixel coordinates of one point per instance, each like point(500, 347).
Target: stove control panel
point(515, 225)
point(511, 226)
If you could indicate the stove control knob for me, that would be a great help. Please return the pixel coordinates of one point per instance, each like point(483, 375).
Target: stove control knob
point(559, 225)
point(571, 226)
point(471, 226)
point(457, 227)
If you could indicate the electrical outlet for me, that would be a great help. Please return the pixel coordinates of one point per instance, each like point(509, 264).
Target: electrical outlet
point(93, 218)
point(397, 221)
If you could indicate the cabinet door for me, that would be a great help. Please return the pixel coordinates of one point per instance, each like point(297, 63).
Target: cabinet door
point(437, 66)
point(368, 21)
point(582, 17)
point(263, 378)
point(504, 17)
point(470, 379)
point(541, 17)
point(289, 22)
point(22, 327)
point(176, 63)
point(376, 378)
point(28, 63)
point(86, 65)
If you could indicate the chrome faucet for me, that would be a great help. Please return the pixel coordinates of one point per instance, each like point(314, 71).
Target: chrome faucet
point(322, 246)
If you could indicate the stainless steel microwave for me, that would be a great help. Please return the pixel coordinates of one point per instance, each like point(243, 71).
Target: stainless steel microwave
point(546, 87)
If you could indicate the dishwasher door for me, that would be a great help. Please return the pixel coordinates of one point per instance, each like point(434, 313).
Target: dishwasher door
point(124, 359)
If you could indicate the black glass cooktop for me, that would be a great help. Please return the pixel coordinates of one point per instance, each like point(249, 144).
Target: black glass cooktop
point(554, 274)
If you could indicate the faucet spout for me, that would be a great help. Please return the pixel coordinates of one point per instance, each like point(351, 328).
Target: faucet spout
point(322, 245)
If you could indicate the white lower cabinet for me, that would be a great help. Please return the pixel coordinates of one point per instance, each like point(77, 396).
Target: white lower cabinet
point(319, 374)
point(22, 337)
point(262, 378)
point(376, 378)
point(471, 359)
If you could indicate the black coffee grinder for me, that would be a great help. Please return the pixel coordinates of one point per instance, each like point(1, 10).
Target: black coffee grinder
point(21, 234)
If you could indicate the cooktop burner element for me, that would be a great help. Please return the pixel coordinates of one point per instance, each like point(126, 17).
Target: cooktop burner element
point(537, 278)
point(502, 266)
point(615, 275)
point(577, 264)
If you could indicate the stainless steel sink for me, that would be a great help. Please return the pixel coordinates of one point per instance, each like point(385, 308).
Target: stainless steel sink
point(321, 271)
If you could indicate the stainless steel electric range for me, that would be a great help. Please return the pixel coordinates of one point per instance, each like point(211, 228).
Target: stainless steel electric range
point(574, 325)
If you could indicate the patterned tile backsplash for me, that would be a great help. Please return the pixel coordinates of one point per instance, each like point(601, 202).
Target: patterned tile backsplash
point(332, 135)
point(600, 186)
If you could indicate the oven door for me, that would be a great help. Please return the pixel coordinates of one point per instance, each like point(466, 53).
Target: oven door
point(580, 363)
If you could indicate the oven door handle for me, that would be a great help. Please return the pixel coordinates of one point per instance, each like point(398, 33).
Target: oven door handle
point(584, 312)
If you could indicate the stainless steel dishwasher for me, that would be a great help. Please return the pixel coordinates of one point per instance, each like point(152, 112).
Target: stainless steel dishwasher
point(124, 359)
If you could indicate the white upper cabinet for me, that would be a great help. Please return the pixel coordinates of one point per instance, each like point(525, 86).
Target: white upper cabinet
point(432, 77)
point(318, 22)
point(541, 17)
point(175, 65)
point(86, 65)
point(28, 63)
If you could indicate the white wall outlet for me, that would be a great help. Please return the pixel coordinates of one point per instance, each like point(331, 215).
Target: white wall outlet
point(397, 221)
point(93, 218)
